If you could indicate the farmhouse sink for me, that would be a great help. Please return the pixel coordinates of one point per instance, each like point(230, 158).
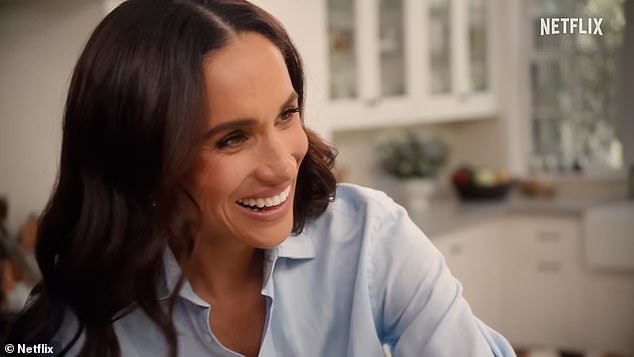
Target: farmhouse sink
point(609, 236)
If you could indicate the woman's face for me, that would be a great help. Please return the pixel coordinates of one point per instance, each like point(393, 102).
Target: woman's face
point(245, 176)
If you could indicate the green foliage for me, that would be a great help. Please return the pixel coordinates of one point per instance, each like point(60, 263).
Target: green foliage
point(413, 156)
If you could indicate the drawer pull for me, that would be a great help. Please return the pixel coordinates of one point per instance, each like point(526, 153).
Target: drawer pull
point(548, 236)
point(372, 102)
point(548, 266)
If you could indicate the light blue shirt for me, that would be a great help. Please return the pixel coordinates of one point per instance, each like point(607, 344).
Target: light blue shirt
point(361, 275)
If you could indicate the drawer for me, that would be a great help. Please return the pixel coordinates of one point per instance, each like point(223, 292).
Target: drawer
point(545, 244)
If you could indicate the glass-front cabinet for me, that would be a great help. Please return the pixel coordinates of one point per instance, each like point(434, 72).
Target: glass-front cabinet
point(343, 58)
point(391, 62)
point(347, 47)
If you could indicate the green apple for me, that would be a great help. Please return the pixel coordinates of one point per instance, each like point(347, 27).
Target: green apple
point(485, 178)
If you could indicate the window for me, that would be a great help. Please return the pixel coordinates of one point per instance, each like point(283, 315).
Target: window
point(575, 88)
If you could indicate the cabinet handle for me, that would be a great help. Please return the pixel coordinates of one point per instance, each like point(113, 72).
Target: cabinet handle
point(455, 249)
point(548, 236)
point(372, 102)
point(548, 266)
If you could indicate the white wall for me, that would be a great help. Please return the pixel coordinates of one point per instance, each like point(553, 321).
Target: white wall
point(478, 142)
point(40, 41)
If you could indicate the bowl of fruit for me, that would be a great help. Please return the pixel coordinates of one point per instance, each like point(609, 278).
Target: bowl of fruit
point(475, 184)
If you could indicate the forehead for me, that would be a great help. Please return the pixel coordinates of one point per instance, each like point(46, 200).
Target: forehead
point(246, 77)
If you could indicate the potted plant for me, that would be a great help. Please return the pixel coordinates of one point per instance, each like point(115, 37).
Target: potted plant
point(414, 160)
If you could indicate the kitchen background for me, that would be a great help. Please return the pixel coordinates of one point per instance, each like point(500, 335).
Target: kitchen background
point(511, 150)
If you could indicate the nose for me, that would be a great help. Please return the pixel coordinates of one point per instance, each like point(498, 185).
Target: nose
point(276, 163)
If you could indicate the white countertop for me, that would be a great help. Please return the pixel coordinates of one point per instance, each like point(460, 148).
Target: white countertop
point(448, 213)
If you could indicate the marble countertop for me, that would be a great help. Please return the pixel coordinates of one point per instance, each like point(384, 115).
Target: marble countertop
point(447, 213)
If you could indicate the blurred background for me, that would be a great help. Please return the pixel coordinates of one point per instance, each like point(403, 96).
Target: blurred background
point(512, 151)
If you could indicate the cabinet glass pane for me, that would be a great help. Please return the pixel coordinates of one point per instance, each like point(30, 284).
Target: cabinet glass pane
point(546, 83)
point(439, 46)
point(546, 132)
point(342, 54)
point(392, 53)
point(478, 44)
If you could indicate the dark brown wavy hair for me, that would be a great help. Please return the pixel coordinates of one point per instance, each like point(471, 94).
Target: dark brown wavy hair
point(135, 106)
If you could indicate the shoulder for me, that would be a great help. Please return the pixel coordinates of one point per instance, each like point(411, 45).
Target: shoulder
point(358, 194)
point(131, 326)
point(350, 224)
point(356, 200)
point(359, 217)
point(386, 234)
point(55, 322)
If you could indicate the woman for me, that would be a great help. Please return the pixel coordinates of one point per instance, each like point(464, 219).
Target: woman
point(195, 215)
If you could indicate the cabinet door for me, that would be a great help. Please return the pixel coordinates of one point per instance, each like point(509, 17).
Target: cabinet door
point(391, 52)
point(368, 73)
point(479, 46)
point(344, 29)
point(403, 62)
point(457, 55)
point(473, 256)
point(366, 50)
point(442, 44)
point(377, 63)
point(607, 316)
point(540, 278)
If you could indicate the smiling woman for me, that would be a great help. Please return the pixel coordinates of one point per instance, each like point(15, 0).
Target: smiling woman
point(253, 151)
point(195, 214)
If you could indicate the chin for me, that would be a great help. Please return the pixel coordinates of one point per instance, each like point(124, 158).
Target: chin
point(270, 238)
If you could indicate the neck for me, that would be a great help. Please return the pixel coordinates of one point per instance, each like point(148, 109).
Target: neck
point(218, 270)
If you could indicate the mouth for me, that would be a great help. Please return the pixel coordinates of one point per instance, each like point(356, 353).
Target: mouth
point(265, 204)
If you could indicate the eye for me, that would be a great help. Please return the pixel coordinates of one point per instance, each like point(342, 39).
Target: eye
point(288, 114)
point(232, 140)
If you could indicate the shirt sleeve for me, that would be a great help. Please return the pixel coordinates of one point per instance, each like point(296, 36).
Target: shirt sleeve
point(419, 304)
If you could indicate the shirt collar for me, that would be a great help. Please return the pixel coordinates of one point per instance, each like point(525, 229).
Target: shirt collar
point(299, 246)
point(171, 274)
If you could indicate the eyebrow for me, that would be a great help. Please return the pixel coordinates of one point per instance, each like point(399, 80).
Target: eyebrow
point(245, 122)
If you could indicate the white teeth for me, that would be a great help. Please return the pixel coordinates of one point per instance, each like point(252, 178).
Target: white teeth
point(259, 202)
point(267, 202)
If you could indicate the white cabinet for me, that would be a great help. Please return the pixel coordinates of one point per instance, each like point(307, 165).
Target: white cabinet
point(607, 291)
point(607, 314)
point(526, 276)
point(540, 279)
point(553, 297)
point(377, 63)
point(608, 236)
point(390, 62)
point(474, 257)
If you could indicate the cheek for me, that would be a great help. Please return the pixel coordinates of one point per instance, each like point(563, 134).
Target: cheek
point(215, 179)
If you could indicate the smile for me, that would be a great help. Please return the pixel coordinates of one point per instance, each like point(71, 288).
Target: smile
point(265, 203)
